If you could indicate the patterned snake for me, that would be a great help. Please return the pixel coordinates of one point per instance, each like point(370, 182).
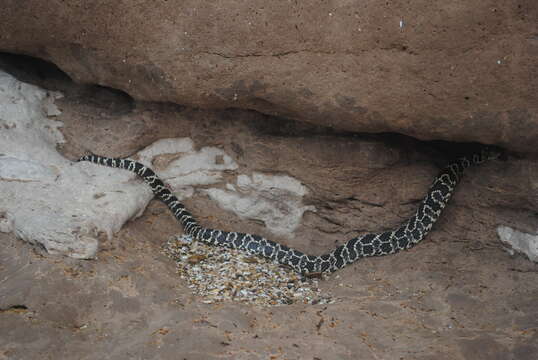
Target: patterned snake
point(403, 237)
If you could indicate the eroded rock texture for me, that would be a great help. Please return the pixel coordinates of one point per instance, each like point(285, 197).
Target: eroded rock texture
point(305, 186)
point(45, 198)
point(463, 71)
point(456, 296)
point(63, 205)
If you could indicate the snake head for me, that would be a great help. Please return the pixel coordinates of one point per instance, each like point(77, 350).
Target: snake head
point(85, 158)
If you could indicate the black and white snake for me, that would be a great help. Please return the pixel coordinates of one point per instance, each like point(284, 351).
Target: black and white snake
point(403, 237)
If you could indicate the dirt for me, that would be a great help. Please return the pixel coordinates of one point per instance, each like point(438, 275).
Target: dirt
point(443, 300)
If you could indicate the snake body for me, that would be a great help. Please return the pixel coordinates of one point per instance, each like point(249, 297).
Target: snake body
point(403, 237)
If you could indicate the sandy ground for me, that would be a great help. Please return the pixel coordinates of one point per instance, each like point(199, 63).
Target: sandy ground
point(442, 300)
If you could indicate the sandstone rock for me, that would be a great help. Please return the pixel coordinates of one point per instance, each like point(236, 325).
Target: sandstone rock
point(449, 298)
point(464, 71)
point(348, 184)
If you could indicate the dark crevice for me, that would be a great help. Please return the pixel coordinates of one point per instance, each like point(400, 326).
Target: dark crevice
point(34, 71)
point(112, 101)
point(14, 308)
point(19, 307)
point(439, 150)
point(364, 202)
point(48, 76)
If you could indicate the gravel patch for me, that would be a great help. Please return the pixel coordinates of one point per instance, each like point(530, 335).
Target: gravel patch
point(220, 274)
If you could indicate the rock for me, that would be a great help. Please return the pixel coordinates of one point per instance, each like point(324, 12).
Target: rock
point(425, 69)
point(49, 201)
point(182, 167)
point(46, 199)
point(436, 302)
point(447, 298)
point(519, 241)
point(275, 200)
point(303, 186)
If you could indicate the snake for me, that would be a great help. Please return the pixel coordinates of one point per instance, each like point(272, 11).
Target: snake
point(409, 233)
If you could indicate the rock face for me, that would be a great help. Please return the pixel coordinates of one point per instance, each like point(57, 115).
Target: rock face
point(235, 170)
point(45, 199)
point(461, 71)
point(520, 241)
point(62, 206)
point(456, 293)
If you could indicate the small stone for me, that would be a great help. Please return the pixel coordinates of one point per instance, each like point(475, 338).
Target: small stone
point(195, 259)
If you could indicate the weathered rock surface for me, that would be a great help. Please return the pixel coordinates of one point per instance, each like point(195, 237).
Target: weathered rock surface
point(49, 201)
point(62, 206)
point(456, 296)
point(45, 199)
point(238, 171)
point(463, 71)
point(520, 241)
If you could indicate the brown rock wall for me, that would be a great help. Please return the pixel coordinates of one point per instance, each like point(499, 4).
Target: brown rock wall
point(460, 71)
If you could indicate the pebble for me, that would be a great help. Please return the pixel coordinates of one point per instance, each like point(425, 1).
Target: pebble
point(219, 274)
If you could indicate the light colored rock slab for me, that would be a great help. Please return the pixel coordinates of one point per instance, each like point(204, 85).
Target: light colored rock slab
point(46, 198)
point(275, 200)
point(519, 241)
point(182, 167)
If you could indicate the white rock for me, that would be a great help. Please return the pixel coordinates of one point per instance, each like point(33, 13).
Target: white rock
point(188, 167)
point(47, 199)
point(275, 200)
point(520, 241)
point(63, 205)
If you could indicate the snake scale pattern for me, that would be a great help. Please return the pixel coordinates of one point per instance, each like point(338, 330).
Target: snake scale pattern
point(403, 237)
